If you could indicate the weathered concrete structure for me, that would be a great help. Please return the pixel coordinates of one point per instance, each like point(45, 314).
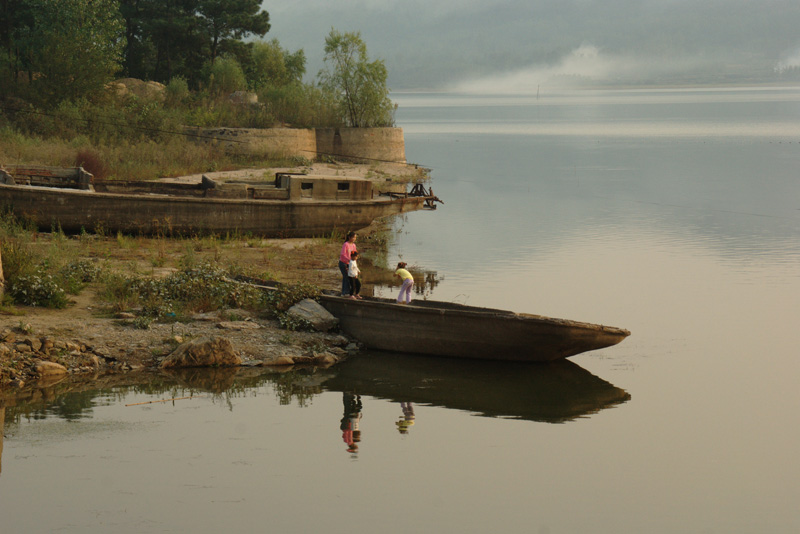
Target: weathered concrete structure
point(383, 144)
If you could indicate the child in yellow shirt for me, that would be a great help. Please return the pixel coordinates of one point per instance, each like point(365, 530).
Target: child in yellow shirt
point(408, 282)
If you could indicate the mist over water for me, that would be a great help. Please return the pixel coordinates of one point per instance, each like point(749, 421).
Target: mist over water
point(590, 66)
point(585, 65)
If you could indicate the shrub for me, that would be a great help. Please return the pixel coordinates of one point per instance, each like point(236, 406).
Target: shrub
point(92, 162)
point(226, 76)
point(18, 258)
point(301, 105)
point(38, 289)
point(177, 91)
point(203, 288)
point(76, 274)
point(286, 296)
point(293, 322)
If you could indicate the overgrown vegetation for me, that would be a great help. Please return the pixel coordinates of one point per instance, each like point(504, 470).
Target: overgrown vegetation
point(140, 131)
point(140, 158)
point(194, 274)
point(58, 61)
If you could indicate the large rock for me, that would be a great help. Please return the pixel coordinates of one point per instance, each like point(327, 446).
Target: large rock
point(203, 352)
point(313, 312)
point(49, 368)
point(143, 90)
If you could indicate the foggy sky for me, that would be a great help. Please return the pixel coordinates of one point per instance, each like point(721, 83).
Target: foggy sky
point(523, 43)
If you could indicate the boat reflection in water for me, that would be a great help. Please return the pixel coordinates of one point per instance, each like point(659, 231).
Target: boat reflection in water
point(552, 393)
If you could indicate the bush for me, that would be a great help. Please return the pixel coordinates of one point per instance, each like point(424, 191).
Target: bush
point(92, 162)
point(226, 76)
point(76, 274)
point(286, 296)
point(18, 258)
point(202, 288)
point(301, 105)
point(38, 289)
point(177, 91)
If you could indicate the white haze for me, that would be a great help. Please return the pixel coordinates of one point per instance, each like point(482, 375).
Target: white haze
point(790, 60)
point(586, 65)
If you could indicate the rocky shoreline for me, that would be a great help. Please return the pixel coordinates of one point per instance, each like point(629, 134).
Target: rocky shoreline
point(109, 346)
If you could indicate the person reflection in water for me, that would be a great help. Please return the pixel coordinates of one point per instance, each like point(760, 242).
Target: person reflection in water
point(351, 434)
point(407, 420)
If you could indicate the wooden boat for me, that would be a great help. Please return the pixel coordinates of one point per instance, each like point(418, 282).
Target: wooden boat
point(459, 331)
point(293, 205)
point(553, 393)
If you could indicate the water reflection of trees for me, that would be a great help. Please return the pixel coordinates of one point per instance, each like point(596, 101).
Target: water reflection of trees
point(73, 401)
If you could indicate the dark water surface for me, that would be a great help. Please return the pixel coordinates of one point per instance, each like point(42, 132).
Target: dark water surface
point(673, 213)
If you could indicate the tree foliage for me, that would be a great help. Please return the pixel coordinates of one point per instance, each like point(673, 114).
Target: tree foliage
point(359, 85)
point(60, 54)
point(226, 22)
point(162, 38)
point(168, 38)
point(64, 49)
point(226, 76)
point(272, 66)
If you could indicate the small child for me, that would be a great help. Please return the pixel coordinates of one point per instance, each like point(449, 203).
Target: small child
point(352, 273)
point(408, 283)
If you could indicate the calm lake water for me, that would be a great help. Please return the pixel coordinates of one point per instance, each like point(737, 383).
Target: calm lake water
point(673, 213)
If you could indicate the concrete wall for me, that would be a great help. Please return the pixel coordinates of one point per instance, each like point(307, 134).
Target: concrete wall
point(385, 144)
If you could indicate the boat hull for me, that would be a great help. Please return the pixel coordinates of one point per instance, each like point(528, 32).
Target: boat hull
point(74, 211)
point(446, 329)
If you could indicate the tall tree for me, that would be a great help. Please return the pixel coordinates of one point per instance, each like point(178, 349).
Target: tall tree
point(359, 84)
point(225, 22)
point(16, 19)
point(164, 39)
point(167, 38)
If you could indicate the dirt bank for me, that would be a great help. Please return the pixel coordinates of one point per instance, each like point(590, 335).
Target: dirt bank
point(84, 340)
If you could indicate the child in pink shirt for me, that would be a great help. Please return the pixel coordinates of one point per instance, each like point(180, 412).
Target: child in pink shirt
point(348, 247)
